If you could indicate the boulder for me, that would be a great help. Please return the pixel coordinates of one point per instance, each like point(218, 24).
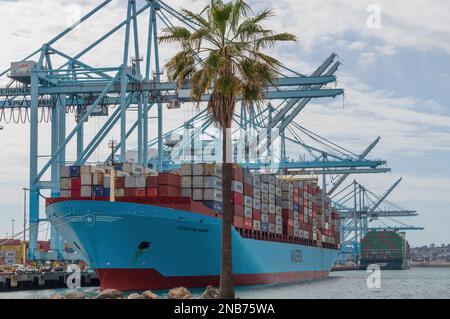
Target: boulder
point(57, 296)
point(179, 293)
point(210, 293)
point(75, 295)
point(150, 295)
point(110, 294)
point(136, 296)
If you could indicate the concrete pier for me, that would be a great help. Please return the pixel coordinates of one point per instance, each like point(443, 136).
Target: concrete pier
point(50, 280)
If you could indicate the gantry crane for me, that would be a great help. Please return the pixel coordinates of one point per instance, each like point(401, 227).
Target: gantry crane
point(359, 208)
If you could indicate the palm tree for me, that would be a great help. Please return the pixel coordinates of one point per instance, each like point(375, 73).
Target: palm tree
point(225, 56)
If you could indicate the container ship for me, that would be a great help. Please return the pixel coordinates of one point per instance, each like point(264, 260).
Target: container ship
point(389, 249)
point(146, 230)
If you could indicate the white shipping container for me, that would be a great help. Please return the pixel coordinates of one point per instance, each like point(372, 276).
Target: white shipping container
point(271, 189)
point(265, 198)
point(141, 181)
point(107, 181)
point(86, 179)
point(186, 170)
point(212, 194)
point(296, 233)
point(128, 167)
point(212, 170)
point(248, 202)
point(130, 182)
point(186, 181)
point(65, 193)
point(279, 229)
point(265, 218)
point(264, 208)
point(186, 192)
point(64, 184)
point(97, 179)
point(272, 209)
point(86, 191)
point(272, 228)
point(86, 169)
point(271, 199)
point(296, 224)
point(314, 236)
point(279, 220)
point(64, 171)
point(120, 192)
point(256, 193)
point(1, 254)
point(256, 204)
point(212, 182)
point(248, 212)
point(278, 210)
point(257, 225)
point(256, 181)
point(295, 215)
point(237, 187)
point(197, 194)
point(278, 191)
point(197, 170)
point(264, 188)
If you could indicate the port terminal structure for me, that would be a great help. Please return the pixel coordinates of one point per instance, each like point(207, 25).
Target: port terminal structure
point(51, 80)
point(360, 209)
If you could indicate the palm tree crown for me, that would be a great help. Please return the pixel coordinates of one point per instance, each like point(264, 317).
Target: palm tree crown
point(225, 54)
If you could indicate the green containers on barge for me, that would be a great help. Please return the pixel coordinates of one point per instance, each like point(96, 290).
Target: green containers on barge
point(389, 249)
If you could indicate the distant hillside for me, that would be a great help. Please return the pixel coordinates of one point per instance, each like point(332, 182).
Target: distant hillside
point(431, 253)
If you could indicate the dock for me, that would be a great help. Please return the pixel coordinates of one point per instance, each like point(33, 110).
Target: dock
point(38, 281)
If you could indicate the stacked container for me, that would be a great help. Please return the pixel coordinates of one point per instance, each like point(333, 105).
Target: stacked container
point(263, 204)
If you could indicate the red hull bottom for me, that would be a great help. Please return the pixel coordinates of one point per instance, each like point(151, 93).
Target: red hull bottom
point(143, 279)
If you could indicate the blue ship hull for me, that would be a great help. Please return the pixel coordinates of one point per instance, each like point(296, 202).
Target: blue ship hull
point(137, 246)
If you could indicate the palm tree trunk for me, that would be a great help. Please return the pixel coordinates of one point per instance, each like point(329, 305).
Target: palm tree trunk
point(226, 289)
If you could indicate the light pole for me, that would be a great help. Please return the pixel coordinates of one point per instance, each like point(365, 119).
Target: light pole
point(12, 228)
point(24, 250)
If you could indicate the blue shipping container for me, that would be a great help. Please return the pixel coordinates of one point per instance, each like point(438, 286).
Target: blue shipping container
point(265, 227)
point(97, 191)
point(74, 171)
point(296, 207)
point(215, 206)
point(106, 192)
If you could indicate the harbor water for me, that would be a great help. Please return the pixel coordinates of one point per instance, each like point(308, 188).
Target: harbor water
point(416, 283)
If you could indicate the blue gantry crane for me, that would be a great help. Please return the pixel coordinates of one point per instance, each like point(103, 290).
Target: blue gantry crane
point(360, 209)
point(49, 83)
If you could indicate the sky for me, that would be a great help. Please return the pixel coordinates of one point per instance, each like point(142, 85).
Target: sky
point(395, 71)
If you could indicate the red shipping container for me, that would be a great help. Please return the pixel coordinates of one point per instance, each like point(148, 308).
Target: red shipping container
point(152, 192)
point(169, 191)
point(169, 179)
point(237, 174)
point(152, 182)
point(75, 193)
point(290, 230)
point(141, 192)
point(314, 206)
point(256, 214)
point(296, 192)
point(272, 219)
point(120, 182)
point(130, 192)
point(238, 222)
point(301, 218)
point(248, 190)
point(287, 213)
point(238, 210)
point(295, 199)
point(75, 183)
point(237, 198)
point(248, 223)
